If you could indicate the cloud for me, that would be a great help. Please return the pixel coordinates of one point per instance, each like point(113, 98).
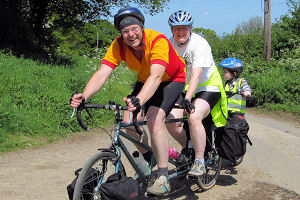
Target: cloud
point(205, 13)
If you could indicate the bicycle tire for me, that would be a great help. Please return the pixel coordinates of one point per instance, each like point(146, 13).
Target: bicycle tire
point(102, 161)
point(212, 171)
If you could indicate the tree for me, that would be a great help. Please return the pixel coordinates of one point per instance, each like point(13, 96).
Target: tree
point(212, 39)
point(253, 25)
point(209, 35)
point(82, 41)
point(294, 10)
point(31, 23)
point(286, 33)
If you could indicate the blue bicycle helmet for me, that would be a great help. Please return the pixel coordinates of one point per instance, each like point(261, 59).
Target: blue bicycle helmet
point(128, 11)
point(181, 18)
point(233, 65)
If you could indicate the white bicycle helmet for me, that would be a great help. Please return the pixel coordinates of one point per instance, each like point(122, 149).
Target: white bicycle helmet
point(181, 17)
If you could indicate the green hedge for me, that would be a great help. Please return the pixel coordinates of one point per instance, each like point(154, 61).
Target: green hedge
point(34, 106)
point(275, 84)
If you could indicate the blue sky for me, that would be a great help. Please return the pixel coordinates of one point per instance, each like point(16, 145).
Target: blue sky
point(222, 16)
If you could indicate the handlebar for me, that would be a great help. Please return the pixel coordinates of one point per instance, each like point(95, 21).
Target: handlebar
point(111, 106)
point(83, 106)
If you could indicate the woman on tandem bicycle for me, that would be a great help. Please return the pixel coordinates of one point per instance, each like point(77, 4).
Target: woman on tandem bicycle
point(204, 95)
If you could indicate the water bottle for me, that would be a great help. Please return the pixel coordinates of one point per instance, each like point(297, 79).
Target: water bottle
point(173, 153)
point(141, 163)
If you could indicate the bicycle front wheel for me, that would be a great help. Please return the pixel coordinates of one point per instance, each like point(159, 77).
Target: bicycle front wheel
point(95, 172)
point(212, 171)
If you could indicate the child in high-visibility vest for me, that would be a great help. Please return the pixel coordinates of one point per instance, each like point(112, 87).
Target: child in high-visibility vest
point(236, 87)
point(232, 138)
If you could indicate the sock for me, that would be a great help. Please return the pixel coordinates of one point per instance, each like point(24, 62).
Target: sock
point(147, 156)
point(162, 172)
point(199, 160)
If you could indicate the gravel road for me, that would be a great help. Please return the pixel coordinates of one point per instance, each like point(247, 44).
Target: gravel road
point(270, 170)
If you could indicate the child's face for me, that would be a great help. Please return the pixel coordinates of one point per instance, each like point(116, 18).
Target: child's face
point(227, 75)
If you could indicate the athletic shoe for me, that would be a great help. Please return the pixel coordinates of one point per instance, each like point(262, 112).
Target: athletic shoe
point(160, 186)
point(197, 169)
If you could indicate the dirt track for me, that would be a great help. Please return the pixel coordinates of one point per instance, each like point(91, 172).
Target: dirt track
point(270, 170)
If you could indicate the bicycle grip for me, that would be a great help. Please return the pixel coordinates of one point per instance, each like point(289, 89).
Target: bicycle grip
point(136, 126)
point(79, 119)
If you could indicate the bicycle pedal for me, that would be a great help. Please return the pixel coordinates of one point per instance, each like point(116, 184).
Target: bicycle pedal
point(189, 177)
point(149, 195)
point(153, 196)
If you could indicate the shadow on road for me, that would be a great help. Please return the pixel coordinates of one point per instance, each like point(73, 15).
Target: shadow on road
point(181, 188)
point(226, 180)
point(188, 189)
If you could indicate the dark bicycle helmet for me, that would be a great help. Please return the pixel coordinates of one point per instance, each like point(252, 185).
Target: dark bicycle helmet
point(233, 65)
point(128, 11)
point(181, 17)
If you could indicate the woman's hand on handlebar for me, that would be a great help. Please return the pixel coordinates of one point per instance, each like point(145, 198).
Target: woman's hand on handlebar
point(188, 106)
point(76, 99)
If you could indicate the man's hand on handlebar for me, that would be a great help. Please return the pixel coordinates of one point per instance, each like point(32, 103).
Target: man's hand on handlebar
point(132, 102)
point(76, 99)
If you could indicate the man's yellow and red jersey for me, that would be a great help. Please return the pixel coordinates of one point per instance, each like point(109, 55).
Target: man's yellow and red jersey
point(157, 50)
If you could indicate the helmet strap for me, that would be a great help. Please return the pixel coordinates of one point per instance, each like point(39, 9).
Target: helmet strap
point(183, 43)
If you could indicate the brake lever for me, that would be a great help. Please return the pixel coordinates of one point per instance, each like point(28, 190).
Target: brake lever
point(74, 109)
point(73, 113)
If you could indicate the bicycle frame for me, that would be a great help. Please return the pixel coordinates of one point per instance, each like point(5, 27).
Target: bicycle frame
point(118, 143)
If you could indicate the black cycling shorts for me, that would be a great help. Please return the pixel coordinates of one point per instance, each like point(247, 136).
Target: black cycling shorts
point(211, 98)
point(165, 96)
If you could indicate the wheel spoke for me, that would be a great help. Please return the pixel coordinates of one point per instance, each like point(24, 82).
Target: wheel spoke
point(213, 167)
point(94, 173)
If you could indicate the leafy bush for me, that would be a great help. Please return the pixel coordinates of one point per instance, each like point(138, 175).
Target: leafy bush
point(83, 40)
point(275, 83)
point(245, 42)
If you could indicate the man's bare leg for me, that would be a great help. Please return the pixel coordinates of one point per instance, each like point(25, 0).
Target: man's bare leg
point(176, 130)
point(127, 117)
point(159, 138)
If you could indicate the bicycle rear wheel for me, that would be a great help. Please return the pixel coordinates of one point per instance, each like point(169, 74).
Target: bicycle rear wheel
point(212, 171)
point(96, 170)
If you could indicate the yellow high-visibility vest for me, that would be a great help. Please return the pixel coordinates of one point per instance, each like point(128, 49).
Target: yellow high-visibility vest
point(237, 102)
point(219, 112)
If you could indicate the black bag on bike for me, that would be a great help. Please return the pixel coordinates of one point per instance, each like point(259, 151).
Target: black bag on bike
point(231, 139)
point(89, 187)
point(118, 187)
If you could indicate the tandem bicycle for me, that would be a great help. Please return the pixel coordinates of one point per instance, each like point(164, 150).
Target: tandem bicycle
point(108, 161)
